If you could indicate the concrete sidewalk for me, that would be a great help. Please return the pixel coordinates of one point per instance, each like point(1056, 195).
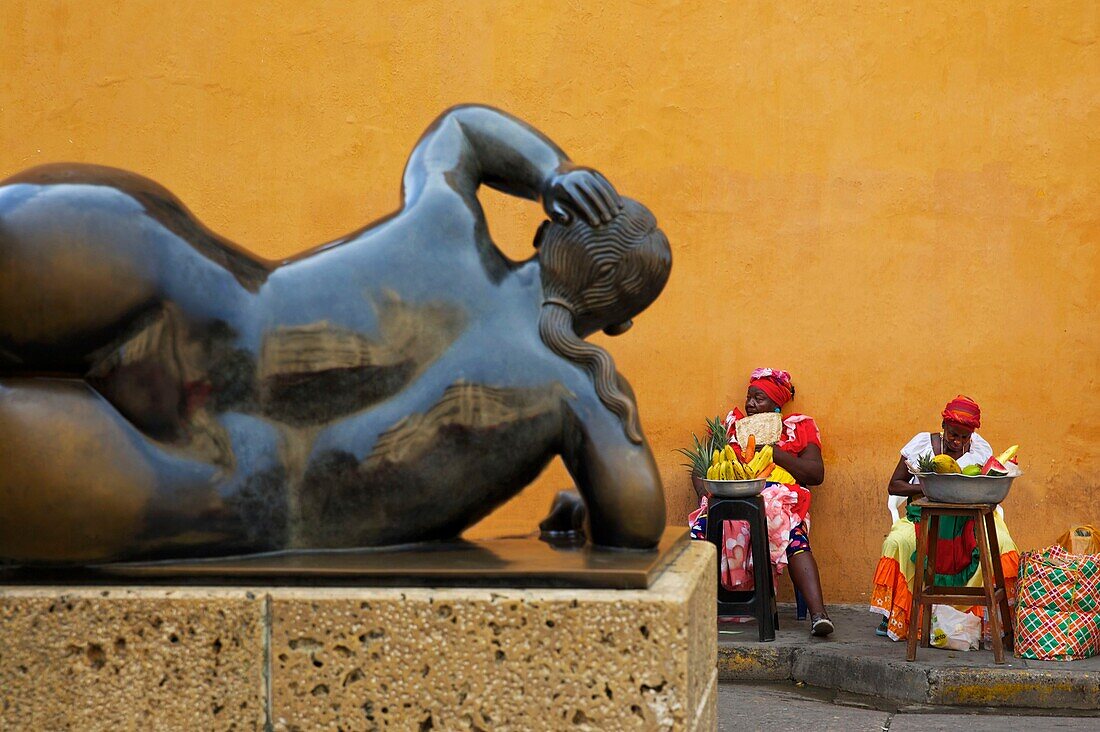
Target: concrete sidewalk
point(856, 660)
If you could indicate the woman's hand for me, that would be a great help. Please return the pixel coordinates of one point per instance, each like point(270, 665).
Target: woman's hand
point(583, 191)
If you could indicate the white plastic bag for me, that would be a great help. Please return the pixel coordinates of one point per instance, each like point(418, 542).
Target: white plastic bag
point(954, 630)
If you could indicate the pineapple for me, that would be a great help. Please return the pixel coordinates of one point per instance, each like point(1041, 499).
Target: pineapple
point(926, 463)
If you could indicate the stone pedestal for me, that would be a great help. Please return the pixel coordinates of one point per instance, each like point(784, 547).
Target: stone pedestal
point(363, 658)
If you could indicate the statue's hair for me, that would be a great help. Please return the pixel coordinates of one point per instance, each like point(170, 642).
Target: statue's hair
point(600, 277)
point(556, 331)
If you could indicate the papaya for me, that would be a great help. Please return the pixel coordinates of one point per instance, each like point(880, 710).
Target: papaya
point(945, 464)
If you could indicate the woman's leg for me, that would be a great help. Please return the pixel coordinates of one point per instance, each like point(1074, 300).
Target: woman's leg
point(1010, 556)
point(1010, 566)
point(892, 590)
point(806, 578)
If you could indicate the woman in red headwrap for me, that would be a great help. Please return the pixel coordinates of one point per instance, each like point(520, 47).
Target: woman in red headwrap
point(957, 559)
point(787, 503)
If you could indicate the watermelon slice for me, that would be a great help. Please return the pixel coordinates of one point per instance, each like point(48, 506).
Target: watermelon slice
point(994, 467)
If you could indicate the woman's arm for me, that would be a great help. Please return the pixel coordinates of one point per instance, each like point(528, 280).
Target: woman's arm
point(806, 467)
point(899, 482)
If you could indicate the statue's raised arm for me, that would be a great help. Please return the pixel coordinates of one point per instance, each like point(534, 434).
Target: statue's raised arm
point(472, 145)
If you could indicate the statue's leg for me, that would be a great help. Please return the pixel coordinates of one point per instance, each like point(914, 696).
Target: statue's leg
point(75, 484)
point(81, 484)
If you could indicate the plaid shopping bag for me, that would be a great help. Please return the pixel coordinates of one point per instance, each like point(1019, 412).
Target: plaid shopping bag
point(1051, 635)
point(1058, 605)
point(1054, 579)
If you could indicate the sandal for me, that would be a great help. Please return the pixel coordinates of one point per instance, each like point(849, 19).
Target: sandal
point(882, 627)
point(820, 625)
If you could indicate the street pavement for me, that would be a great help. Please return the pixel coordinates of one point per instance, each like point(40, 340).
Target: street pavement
point(775, 708)
point(855, 660)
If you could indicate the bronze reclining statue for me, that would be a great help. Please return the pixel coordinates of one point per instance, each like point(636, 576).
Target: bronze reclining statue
point(166, 394)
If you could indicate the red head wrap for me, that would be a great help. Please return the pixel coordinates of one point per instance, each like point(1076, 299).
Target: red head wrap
point(964, 412)
point(775, 383)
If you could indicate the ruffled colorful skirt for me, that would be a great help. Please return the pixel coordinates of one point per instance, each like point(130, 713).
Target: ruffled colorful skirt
point(957, 565)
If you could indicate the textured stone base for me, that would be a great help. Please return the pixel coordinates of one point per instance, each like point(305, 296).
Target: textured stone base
point(364, 658)
point(122, 659)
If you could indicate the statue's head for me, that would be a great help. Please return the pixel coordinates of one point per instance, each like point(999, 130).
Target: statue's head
point(604, 274)
point(598, 278)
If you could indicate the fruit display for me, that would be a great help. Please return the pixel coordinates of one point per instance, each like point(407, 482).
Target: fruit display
point(699, 454)
point(736, 463)
point(720, 456)
point(997, 467)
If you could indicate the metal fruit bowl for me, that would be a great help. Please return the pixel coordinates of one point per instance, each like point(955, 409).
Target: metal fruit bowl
point(959, 488)
point(735, 488)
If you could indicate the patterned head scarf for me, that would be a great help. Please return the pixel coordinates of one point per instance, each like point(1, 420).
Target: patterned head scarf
point(775, 383)
point(964, 412)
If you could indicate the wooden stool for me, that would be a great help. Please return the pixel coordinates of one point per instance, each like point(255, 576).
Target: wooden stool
point(759, 602)
point(992, 594)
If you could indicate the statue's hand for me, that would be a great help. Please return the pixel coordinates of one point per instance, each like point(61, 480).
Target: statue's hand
point(581, 191)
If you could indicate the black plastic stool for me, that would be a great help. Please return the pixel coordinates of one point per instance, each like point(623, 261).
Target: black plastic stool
point(758, 602)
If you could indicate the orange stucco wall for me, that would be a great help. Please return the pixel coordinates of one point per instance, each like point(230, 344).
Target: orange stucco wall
point(895, 201)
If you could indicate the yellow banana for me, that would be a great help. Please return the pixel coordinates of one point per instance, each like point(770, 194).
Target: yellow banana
point(712, 472)
point(761, 459)
point(739, 471)
point(729, 454)
point(751, 467)
point(716, 458)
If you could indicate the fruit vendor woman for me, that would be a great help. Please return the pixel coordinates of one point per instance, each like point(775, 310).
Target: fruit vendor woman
point(798, 465)
point(957, 559)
